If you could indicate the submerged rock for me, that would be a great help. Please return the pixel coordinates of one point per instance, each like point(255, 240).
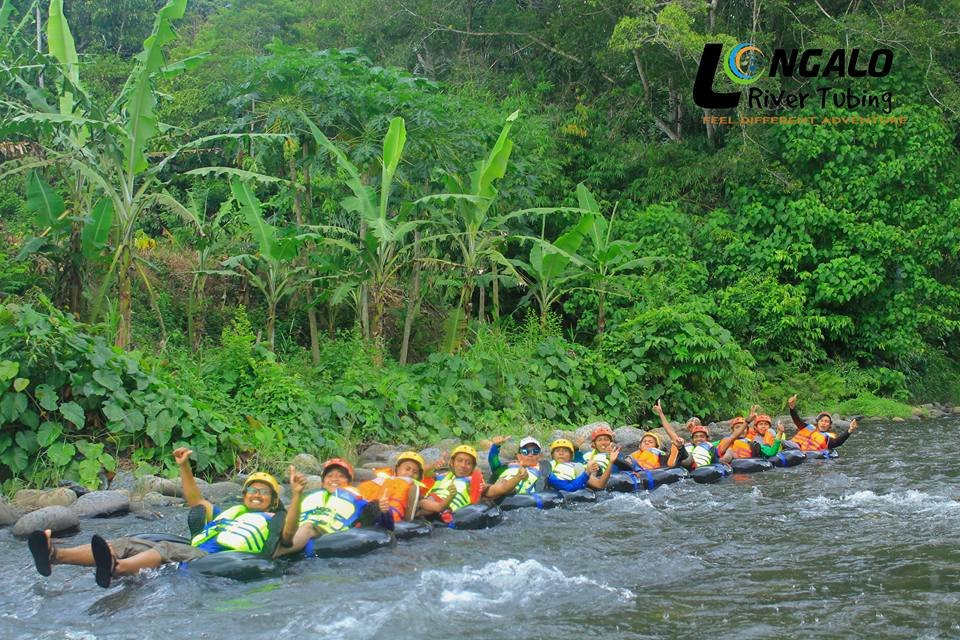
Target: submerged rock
point(31, 499)
point(57, 519)
point(102, 504)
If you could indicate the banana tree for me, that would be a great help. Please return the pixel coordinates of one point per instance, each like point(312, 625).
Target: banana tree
point(477, 234)
point(106, 149)
point(381, 242)
point(606, 258)
point(553, 267)
point(274, 269)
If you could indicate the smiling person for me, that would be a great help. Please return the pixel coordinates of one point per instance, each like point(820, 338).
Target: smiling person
point(522, 475)
point(651, 455)
point(401, 486)
point(817, 436)
point(335, 507)
point(249, 527)
point(567, 474)
point(461, 486)
point(602, 440)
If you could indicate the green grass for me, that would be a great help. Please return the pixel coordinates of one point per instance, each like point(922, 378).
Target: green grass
point(867, 404)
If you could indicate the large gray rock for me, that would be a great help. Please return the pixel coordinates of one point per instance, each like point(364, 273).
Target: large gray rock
point(9, 514)
point(31, 499)
point(306, 463)
point(163, 486)
point(314, 483)
point(447, 445)
point(628, 438)
point(124, 480)
point(154, 499)
point(57, 519)
point(218, 492)
point(102, 504)
point(431, 455)
point(379, 453)
point(583, 433)
point(937, 413)
point(362, 475)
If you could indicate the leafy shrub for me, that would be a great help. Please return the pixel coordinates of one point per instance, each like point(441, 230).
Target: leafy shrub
point(71, 403)
point(684, 357)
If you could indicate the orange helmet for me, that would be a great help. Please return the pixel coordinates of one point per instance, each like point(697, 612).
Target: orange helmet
point(602, 430)
point(694, 428)
point(763, 418)
point(337, 462)
point(737, 421)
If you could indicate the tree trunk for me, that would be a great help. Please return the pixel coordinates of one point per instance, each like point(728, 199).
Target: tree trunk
point(124, 287)
point(413, 301)
point(601, 312)
point(496, 293)
point(271, 323)
point(298, 215)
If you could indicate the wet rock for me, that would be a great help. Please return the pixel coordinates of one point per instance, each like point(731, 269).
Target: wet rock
point(362, 475)
point(9, 514)
point(915, 418)
point(937, 413)
point(629, 438)
point(31, 499)
point(916, 411)
point(154, 499)
point(160, 485)
point(955, 410)
point(378, 453)
point(431, 455)
point(148, 516)
point(447, 445)
point(585, 431)
point(78, 489)
point(566, 435)
point(124, 480)
point(314, 483)
point(306, 463)
point(102, 504)
point(927, 405)
point(57, 519)
point(840, 424)
point(222, 492)
point(898, 419)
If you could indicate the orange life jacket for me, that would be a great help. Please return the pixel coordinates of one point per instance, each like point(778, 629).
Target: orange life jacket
point(811, 439)
point(741, 448)
point(647, 458)
point(401, 493)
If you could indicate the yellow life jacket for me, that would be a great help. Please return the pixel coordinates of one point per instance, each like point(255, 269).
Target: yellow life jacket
point(236, 529)
point(329, 512)
point(528, 484)
point(602, 459)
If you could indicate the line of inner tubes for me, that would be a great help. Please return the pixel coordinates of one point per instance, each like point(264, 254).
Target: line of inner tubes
point(360, 541)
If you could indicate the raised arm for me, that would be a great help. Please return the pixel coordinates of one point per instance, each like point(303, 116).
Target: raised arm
point(191, 492)
point(599, 482)
point(792, 403)
point(298, 482)
point(503, 487)
point(726, 442)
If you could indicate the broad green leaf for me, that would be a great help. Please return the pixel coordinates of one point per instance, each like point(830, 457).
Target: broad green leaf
point(108, 378)
point(16, 459)
point(46, 397)
point(5, 11)
point(11, 406)
point(92, 450)
point(141, 123)
point(62, 47)
point(393, 144)
point(8, 370)
point(113, 412)
point(20, 384)
point(264, 234)
point(96, 232)
point(29, 418)
point(27, 440)
point(74, 413)
point(48, 433)
point(5, 441)
point(586, 200)
point(44, 202)
point(61, 453)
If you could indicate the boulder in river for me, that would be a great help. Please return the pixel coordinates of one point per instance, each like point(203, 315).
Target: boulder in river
point(9, 514)
point(431, 455)
point(154, 499)
point(379, 453)
point(58, 519)
point(218, 492)
point(362, 475)
point(30, 499)
point(628, 438)
point(124, 480)
point(306, 463)
point(160, 485)
point(898, 419)
point(584, 434)
point(102, 504)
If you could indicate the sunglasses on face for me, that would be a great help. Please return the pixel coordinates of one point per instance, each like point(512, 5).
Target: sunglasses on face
point(530, 451)
point(258, 491)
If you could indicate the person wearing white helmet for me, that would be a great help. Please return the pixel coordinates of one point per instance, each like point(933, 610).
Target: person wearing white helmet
point(525, 475)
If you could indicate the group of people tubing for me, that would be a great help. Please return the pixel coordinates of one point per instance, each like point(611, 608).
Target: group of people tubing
point(413, 489)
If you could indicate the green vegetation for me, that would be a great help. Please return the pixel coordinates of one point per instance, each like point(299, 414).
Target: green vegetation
point(303, 226)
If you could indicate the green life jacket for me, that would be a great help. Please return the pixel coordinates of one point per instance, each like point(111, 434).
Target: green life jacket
point(702, 454)
point(331, 512)
point(535, 480)
point(602, 460)
point(237, 529)
point(566, 470)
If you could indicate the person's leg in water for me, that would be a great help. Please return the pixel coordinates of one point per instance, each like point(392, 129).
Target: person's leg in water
point(84, 555)
point(109, 567)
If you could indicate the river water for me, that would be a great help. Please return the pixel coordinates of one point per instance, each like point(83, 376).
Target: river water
point(867, 545)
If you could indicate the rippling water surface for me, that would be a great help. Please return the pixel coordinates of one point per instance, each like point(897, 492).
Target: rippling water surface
point(867, 545)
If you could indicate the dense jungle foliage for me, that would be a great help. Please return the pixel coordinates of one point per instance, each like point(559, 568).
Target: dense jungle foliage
point(261, 227)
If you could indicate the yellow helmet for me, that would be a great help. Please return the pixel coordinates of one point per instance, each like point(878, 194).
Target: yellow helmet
point(411, 455)
point(467, 449)
point(266, 478)
point(560, 443)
